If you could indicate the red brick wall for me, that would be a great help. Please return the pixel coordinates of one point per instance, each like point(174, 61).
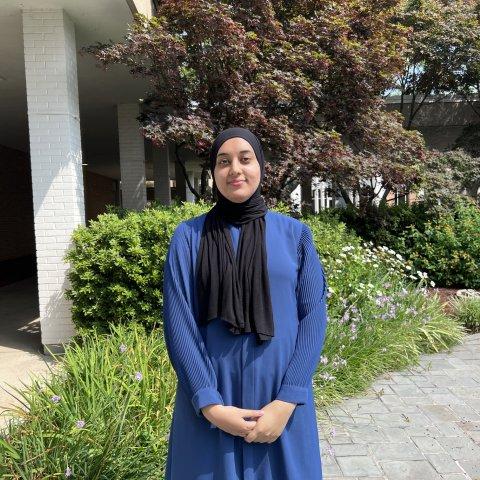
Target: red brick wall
point(99, 191)
point(17, 237)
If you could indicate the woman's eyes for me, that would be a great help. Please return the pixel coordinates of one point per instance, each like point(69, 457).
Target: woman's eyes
point(225, 160)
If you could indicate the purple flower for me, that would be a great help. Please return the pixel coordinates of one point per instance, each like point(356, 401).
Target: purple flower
point(138, 376)
point(55, 398)
point(80, 423)
point(68, 472)
point(382, 299)
point(122, 348)
point(345, 317)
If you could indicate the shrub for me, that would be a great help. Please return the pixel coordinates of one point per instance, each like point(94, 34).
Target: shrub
point(382, 224)
point(467, 311)
point(117, 262)
point(445, 244)
point(380, 317)
point(116, 273)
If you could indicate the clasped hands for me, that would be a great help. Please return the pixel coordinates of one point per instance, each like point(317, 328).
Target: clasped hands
point(265, 426)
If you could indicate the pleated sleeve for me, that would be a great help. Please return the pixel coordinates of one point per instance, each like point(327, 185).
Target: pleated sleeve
point(312, 316)
point(183, 339)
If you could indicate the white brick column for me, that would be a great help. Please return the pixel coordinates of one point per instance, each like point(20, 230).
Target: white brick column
point(56, 160)
point(132, 157)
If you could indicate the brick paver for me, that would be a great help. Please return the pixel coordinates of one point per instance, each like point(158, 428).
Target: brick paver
point(422, 423)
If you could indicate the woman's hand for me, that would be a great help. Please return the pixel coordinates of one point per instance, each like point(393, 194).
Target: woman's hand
point(231, 419)
point(270, 426)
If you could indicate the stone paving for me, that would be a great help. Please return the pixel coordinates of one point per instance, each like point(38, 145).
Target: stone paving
point(422, 423)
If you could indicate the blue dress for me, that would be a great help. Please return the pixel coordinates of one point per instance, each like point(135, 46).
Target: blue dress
point(215, 366)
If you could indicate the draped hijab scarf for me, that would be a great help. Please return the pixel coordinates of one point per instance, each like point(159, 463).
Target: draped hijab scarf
point(235, 288)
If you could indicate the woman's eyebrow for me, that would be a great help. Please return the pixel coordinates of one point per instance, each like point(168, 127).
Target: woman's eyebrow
point(242, 151)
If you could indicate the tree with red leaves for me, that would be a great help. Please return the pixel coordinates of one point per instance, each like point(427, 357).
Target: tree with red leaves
point(305, 76)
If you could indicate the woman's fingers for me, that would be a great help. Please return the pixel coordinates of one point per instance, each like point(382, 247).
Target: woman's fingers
point(251, 413)
point(250, 424)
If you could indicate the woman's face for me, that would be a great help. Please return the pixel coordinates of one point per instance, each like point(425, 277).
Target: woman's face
point(237, 171)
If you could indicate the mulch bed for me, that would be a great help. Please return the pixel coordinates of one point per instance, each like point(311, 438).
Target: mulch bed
point(445, 295)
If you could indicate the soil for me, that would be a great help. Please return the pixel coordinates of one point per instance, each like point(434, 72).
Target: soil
point(445, 295)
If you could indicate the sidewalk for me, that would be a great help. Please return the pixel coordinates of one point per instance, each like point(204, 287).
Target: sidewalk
point(20, 353)
point(418, 424)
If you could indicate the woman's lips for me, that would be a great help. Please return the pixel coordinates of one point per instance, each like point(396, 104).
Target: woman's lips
point(236, 183)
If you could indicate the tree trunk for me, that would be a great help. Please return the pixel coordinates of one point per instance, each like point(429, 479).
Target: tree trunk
point(307, 206)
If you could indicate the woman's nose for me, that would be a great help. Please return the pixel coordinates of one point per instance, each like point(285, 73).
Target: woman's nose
point(235, 167)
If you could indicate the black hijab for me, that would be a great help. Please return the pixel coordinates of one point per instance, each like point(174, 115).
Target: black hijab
point(235, 289)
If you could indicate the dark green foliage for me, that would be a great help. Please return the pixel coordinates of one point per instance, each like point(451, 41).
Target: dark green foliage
point(445, 244)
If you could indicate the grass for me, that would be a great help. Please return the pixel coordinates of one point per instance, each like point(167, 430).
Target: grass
point(124, 399)
point(467, 310)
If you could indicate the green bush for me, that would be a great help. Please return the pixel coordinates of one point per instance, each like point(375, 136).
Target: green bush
point(445, 244)
point(467, 311)
point(381, 316)
point(116, 273)
point(383, 224)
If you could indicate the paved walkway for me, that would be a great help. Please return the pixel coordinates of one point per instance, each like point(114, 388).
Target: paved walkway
point(20, 347)
point(418, 424)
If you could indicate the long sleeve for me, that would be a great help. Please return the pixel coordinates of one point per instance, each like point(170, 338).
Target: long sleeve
point(312, 317)
point(183, 340)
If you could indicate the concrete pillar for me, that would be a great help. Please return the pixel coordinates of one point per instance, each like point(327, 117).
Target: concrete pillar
point(161, 174)
point(132, 157)
point(56, 160)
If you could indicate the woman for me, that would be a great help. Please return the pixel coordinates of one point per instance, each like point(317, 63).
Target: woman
point(244, 321)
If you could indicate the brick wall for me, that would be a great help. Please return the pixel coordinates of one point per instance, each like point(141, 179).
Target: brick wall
point(16, 210)
point(56, 159)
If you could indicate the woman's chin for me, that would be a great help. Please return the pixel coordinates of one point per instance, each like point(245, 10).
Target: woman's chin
point(238, 197)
